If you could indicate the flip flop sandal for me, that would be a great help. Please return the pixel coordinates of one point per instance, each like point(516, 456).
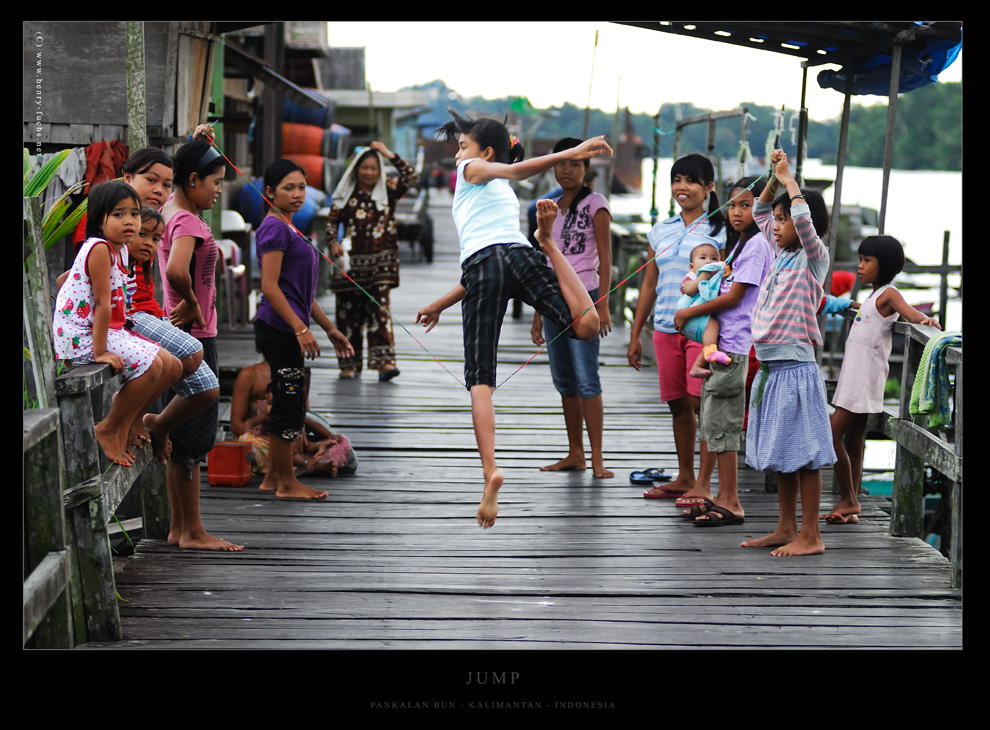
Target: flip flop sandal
point(725, 517)
point(649, 476)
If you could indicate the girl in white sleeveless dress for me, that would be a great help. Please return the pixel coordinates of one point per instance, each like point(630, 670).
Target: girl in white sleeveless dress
point(865, 366)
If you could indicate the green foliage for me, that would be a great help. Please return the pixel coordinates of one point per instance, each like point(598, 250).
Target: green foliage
point(927, 136)
point(54, 228)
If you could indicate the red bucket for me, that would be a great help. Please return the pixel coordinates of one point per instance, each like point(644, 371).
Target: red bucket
point(227, 464)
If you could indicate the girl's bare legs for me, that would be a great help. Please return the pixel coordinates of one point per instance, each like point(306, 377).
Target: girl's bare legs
point(702, 489)
point(483, 416)
point(685, 427)
point(578, 413)
point(574, 422)
point(187, 529)
point(172, 372)
point(113, 432)
point(787, 538)
point(728, 484)
point(594, 419)
point(281, 477)
point(849, 440)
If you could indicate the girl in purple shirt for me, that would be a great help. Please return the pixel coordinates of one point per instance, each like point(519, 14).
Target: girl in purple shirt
point(281, 326)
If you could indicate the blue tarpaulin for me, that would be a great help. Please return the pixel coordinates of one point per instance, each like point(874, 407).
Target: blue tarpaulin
point(919, 68)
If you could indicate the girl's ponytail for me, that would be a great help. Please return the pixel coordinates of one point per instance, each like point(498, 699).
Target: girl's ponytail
point(516, 151)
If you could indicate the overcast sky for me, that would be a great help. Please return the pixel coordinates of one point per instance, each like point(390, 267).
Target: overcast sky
point(551, 63)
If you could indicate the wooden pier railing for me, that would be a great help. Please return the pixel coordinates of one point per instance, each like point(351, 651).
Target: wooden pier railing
point(918, 446)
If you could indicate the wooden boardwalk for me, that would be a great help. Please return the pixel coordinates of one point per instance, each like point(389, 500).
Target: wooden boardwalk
point(394, 559)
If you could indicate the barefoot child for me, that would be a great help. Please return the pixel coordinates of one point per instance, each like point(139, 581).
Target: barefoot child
point(865, 366)
point(198, 386)
point(89, 322)
point(788, 421)
point(723, 396)
point(582, 232)
point(498, 264)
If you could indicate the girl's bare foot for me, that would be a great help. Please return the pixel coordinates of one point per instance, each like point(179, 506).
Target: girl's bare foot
point(681, 485)
point(568, 463)
point(837, 519)
point(292, 489)
point(697, 372)
point(801, 546)
point(488, 509)
point(160, 442)
point(599, 470)
point(841, 513)
point(775, 539)
point(206, 541)
point(114, 447)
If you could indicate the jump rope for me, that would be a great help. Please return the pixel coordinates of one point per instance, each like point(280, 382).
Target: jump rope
point(288, 222)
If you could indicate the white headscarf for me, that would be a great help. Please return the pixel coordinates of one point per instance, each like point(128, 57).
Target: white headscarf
point(345, 188)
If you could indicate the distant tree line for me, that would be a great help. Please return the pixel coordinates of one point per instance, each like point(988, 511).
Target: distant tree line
point(927, 136)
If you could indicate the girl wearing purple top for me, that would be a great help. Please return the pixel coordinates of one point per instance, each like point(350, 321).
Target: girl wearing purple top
point(281, 326)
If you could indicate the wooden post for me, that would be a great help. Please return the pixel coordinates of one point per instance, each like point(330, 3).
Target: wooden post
point(888, 144)
point(137, 114)
point(37, 309)
point(943, 289)
point(956, 503)
point(907, 503)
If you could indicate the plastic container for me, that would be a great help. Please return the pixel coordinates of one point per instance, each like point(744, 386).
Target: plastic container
point(302, 139)
point(313, 165)
point(227, 464)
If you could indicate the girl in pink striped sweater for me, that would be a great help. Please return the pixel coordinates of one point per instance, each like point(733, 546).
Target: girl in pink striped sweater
point(789, 429)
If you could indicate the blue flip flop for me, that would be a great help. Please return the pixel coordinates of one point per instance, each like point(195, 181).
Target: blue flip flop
point(649, 476)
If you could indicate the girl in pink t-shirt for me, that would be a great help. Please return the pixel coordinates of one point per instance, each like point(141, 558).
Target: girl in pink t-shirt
point(582, 232)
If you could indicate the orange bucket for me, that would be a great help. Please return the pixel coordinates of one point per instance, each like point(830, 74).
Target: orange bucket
point(227, 464)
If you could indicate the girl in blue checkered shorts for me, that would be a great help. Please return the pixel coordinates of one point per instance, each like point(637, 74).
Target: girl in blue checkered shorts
point(498, 263)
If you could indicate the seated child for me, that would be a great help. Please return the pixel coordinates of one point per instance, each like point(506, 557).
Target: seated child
point(325, 456)
point(698, 286)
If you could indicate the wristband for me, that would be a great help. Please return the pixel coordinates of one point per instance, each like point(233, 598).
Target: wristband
point(303, 331)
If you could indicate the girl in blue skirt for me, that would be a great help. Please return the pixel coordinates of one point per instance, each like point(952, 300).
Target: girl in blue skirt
point(789, 429)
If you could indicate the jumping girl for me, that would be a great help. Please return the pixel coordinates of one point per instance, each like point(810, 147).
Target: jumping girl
point(89, 322)
point(723, 397)
point(692, 184)
point(788, 420)
point(582, 231)
point(498, 264)
point(865, 366)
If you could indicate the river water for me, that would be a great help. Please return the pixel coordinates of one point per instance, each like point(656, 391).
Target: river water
point(912, 216)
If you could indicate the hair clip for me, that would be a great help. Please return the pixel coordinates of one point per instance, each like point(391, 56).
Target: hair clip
point(513, 141)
